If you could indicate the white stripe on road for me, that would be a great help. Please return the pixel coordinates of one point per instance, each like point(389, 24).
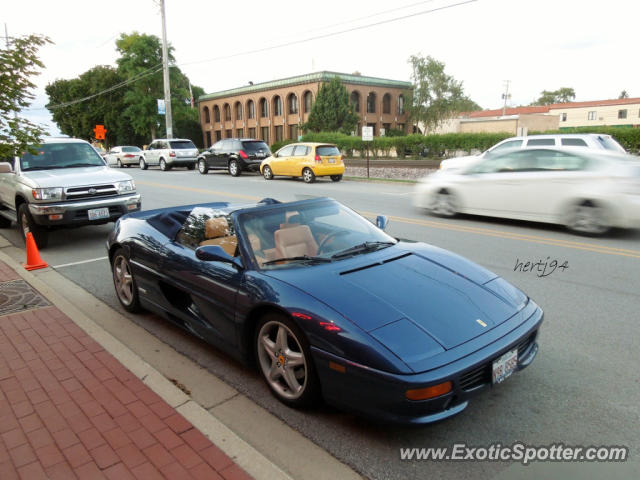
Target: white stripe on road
point(81, 262)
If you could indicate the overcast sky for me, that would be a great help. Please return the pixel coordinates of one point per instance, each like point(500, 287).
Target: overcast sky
point(588, 45)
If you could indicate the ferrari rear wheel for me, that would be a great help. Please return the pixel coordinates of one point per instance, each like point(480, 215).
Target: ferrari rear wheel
point(124, 282)
point(283, 355)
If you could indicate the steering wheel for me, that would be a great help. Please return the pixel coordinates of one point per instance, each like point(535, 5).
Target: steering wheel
point(330, 238)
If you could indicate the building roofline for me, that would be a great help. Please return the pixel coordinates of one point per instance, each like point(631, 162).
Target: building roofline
point(324, 76)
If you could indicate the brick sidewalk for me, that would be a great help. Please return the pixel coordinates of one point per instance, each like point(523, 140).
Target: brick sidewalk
point(69, 409)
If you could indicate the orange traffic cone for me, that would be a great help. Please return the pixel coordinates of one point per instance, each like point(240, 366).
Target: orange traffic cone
point(33, 256)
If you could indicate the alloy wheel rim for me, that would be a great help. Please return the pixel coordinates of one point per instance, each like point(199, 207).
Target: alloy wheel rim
point(443, 204)
point(201, 166)
point(587, 219)
point(267, 172)
point(307, 175)
point(123, 280)
point(233, 168)
point(282, 360)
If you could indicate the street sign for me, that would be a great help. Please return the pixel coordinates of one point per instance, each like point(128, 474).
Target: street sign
point(161, 108)
point(100, 132)
point(367, 134)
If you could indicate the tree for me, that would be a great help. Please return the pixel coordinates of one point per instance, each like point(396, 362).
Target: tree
point(332, 111)
point(623, 94)
point(19, 63)
point(562, 95)
point(436, 96)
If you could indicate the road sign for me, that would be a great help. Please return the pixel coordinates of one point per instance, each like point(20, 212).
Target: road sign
point(100, 132)
point(367, 134)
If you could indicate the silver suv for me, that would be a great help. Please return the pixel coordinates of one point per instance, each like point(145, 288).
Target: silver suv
point(588, 140)
point(66, 183)
point(169, 153)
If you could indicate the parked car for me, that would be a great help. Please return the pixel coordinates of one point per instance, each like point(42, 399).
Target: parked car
point(65, 184)
point(306, 160)
point(123, 156)
point(235, 155)
point(309, 289)
point(169, 153)
point(587, 190)
point(594, 141)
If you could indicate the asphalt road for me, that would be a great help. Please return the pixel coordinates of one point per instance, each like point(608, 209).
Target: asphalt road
point(583, 388)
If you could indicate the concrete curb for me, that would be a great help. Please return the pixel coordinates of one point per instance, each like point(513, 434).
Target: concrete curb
point(252, 461)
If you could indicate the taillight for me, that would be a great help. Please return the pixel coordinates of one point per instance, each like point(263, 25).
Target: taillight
point(172, 153)
point(340, 158)
point(243, 155)
point(128, 155)
point(318, 159)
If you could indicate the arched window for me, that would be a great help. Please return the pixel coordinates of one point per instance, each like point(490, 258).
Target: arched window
point(355, 101)
point(251, 109)
point(264, 108)
point(216, 113)
point(308, 100)
point(238, 109)
point(207, 116)
point(277, 106)
point(293, 103)
point(227, 112)
point(386, 103)
point(371, 103)
point(401, 104)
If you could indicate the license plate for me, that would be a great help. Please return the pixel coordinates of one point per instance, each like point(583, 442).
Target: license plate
point(98, 213)
point(504, 366)
point(332, 160)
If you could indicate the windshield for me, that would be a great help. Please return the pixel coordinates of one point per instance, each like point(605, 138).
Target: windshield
point(610, 144)
point(300, 235)
point(61, 155)
point(181, 144)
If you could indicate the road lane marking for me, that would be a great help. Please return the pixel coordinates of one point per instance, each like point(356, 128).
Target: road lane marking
point(446, 226)
point(80, 262)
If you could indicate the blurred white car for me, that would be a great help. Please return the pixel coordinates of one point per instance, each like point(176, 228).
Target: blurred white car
point(123, 156)
point(589, 191)
point(595, 141)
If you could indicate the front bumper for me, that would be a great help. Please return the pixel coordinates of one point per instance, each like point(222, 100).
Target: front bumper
point(75, 213)
point(381, 395)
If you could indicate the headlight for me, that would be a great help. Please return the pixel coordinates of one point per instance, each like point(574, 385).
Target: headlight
point(51, 193)
point(126, 186)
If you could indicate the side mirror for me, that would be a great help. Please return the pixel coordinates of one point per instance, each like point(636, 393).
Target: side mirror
point(215, 253)
point(5, 167)
point(382, 221)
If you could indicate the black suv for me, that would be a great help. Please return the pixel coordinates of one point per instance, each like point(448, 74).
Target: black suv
point(235, 155)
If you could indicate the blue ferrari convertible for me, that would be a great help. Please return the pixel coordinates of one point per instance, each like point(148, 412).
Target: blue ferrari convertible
point(327, 305)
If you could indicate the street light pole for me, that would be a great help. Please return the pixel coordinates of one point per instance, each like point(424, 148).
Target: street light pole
point(165, 72)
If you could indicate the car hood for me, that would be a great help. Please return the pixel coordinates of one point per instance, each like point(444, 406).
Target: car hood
point(457, 163)
point(449, 299)
point(70, 177)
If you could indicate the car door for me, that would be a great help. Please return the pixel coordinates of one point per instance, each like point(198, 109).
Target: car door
point(150, 154)
point(281, 163)
point(203, 293)
point(7, 183)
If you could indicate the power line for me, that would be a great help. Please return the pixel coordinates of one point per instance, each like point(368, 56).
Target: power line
point(325, 35)
point(157, 68)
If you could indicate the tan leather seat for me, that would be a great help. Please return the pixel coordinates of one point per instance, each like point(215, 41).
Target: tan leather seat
point(295, 241)
point(261, 255)
point(216, 232)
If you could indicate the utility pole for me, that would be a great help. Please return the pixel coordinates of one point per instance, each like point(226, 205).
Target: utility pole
point(506, 97)
point(6, 35)
point(165, 71)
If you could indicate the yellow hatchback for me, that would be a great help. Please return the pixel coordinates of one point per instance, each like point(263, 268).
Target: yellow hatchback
point(306, 160)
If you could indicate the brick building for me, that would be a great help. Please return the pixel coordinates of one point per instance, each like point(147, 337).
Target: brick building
point(274, 110)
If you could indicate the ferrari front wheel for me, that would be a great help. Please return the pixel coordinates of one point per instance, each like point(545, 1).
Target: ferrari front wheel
point(124, 282)
point(283, 356)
